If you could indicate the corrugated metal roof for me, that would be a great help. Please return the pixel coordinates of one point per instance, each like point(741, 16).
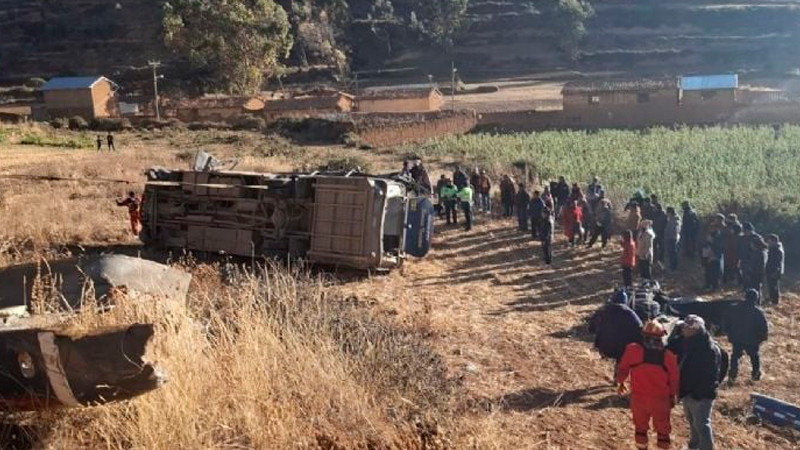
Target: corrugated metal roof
point(710, 82)
point(611, 85)
point(70, 83)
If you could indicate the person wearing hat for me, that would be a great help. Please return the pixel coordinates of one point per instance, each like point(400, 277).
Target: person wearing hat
point(747, 328)
point(655, 382)
point(690, 227)
point(615, 325)
point(702, 368)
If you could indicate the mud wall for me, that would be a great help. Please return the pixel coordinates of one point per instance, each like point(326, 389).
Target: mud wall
point(394, 129)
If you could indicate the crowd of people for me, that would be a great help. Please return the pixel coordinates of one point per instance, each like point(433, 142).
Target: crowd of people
point(688, 366)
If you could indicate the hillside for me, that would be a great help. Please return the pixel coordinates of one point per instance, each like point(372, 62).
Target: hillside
point(500, 37)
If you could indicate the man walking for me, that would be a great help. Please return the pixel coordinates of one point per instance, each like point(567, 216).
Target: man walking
point(654, 384)
point(110, 141)
point(466, 198)
point(701, 364)
point(602, 223)
point(99, 143)
point(747, 329)
point(522, 201)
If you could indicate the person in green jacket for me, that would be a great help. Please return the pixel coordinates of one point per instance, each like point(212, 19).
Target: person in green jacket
point(449, 196)
point(465, 195)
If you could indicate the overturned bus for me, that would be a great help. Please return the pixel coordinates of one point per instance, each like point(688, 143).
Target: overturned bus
point(342, 219)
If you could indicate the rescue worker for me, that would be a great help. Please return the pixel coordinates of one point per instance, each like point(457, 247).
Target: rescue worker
point(775, 268)
point(614, 326)
point(449, 196)
point(465, 195)
point(747, 329)
point(536, 206)
point(522, 200)
point(508, 193)
point(133, 204)
point(546, 227)
point(702, 368)
point(654, 384)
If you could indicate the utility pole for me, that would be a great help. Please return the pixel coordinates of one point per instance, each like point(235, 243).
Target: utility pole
point(155, 65)
point(453, 83)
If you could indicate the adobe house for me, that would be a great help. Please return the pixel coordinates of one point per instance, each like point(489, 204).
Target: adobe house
point(87, 97)
point(414, 100)
point(309, 105)
point(635, 102)
point(215, 108)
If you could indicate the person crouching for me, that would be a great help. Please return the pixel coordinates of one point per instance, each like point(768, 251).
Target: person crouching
point(654, 384)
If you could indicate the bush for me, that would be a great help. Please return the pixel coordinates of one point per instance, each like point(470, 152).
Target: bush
point(346, 164)
point(351, 139)
point(35, 83)
point(249, 122)
point(60, 123)
point(154, 124)
point(110, 124)
point(78, 123)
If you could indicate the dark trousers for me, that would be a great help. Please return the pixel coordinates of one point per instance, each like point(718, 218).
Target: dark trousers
point(713, 274)
point(522, 220)
point(658, 248)
point(467, 208)
point(508, 209)
point(450, 210)
point(752, 282)
point(731, 273)
point(535, 226)
point(600, 231)
point(547, 250)
point(627, 276)
point(773, 289)
point(689, 244)
point(672, 254)
point(752, 353)
point(645, 270)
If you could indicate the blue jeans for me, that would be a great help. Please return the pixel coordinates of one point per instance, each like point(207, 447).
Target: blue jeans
point(698, 414)
point(485, 202)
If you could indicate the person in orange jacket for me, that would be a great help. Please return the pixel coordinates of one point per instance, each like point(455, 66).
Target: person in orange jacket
point(571, 219)
point(655, 384)
point(133, 204)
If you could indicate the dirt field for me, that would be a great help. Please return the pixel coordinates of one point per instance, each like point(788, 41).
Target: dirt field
point(509, 328)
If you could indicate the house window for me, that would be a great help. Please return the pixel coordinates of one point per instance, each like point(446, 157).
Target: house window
point(643, 97)
point(594, 99)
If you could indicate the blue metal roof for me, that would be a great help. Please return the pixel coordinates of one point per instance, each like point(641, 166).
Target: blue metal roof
point(709, 82)
point(70, 83)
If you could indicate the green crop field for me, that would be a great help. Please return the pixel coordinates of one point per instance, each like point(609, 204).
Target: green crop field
point(751, 170)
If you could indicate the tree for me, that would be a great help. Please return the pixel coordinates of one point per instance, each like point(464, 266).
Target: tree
point(440, 19)
point(230, 44)
point(566, 18)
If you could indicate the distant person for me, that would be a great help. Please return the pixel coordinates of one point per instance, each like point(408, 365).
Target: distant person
point(561, 195)
point(522, 200)
point(485, 192)
point(702, 368)
point(615, 325)
point(449, 195)
point(571, 219)
point(647, 209)
point(475, 182)
point(732, 233)
point(99, 143)
point(756, 264)
point(747, 328)
point(628, 259)
point(438, 194)
point(587, 219)
point(744, 249)
point(655, 384)
point(713, 258)
point(602, 223)
point(690, 227)
point(110, 141)
point(535, 208)
point(659, 228)
point(593, 190)
point(134, 205)
point(460, 178)
point(775, 268)
point(644, 249)
point(546, 227)
point(508, 194)
point(672, 237)
point(547, 198)
point(634, 217)
point(465, 195)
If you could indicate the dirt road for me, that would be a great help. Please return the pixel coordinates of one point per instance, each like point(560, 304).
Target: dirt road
point(512, 330)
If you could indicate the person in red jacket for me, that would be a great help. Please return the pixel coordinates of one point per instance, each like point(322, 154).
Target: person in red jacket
point(571, 219)
point(628, 259)
point(655, 384)
point(133, 205)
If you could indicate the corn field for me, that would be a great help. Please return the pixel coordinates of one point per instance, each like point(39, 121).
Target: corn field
point(710, 167)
